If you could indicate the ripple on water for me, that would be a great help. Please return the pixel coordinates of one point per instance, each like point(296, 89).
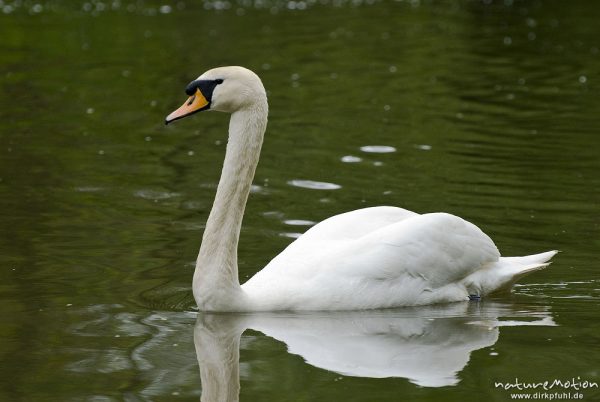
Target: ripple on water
point(378, 149)
point(155, 195)
point(314, 185)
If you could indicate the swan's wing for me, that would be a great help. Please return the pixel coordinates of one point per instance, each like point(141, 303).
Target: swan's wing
point(351, 225)
point(421, 259)
point(439, 248)
point(318, 242)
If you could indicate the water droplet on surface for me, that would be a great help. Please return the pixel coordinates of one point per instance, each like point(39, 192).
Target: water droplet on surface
point(290, 235)
point(314, 185)
point(378, 149)
point(298, 222)
point(351, 159)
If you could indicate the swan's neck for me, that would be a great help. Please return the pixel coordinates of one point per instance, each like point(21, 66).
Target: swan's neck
point(216, 285)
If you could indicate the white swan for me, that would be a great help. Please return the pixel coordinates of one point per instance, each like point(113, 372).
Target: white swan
point(369, 258)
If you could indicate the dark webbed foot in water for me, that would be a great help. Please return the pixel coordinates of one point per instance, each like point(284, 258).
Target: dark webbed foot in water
point(474, 297)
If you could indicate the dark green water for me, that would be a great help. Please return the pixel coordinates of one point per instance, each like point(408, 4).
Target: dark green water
point(493, 112)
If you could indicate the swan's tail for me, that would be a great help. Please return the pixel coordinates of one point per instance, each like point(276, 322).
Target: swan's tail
point(518, 267)
point(501, 275)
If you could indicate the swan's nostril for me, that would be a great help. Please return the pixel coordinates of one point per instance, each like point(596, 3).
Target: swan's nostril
point(191, 100)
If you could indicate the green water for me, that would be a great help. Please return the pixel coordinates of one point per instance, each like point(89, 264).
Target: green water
point(492, 112)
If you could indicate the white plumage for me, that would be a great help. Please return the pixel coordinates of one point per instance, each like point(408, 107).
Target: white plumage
point(369, 258)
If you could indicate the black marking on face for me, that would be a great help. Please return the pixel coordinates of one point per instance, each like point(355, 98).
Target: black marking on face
point(205, 86)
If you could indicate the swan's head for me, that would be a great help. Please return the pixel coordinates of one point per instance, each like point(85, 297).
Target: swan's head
point(225, 89)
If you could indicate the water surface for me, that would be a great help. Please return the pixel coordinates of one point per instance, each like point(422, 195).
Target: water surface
point(488, 110)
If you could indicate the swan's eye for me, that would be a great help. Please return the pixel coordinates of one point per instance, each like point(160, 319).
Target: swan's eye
point(219, 81)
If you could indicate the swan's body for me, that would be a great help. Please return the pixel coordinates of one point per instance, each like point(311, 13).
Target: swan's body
point(369, 258)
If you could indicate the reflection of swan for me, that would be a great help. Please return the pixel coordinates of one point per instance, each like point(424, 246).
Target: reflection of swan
point(369, 258)
point(426, 345)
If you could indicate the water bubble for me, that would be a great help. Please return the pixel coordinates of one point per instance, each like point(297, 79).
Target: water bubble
point(125, 73)
point(493, 353)
point(582, 79)
point(101, 152)
point(377, 163)
point(424, 147)
point(89, 110)
point(37, 8)
point(350, 159)
point(333, 76)
point(531, 36)
point(378, 149)
point(266, 66)
point(459, 115)
point(507, 40)
point(7, 9)
point(387, 108)
point(295, 76)
point(165, 9)
point(148, 139)
point(314, 185)
point(393, 69)
point(190, 153)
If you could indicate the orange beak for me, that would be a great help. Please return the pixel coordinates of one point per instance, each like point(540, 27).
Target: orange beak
point(195, 103)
